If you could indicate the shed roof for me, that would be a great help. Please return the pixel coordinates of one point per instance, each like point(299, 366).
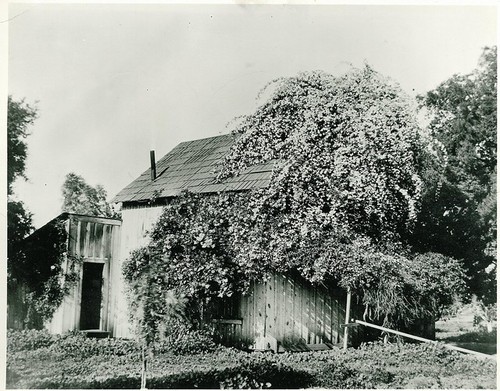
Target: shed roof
point(70, 215)
point(193, 165)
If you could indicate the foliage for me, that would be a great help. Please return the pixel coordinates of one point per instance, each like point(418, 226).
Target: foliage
point(349, 147)
point(79, 197)
point(338, 375)
point(21, 340)
point(419, 287)
point(371, 366)
point(184, 265)
point(481, 336)
point(192, 234)
point(458, 216)
point(484, 315)
point(19, 225)
point(158, 312)
point(155, 309)
point(20, 116)
point(343, 198)
point(73, 344)
point(77, 344)
point(186, 341)
point(42, 266)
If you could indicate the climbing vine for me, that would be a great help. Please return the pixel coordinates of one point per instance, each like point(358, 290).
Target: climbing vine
point(42, 268)
point(343, 196)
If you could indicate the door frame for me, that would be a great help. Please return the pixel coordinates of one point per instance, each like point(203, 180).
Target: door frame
point(104, 312)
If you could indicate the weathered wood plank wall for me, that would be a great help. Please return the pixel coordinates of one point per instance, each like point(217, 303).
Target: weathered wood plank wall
point(91, 239)
point(135, 226)
point(285, 310)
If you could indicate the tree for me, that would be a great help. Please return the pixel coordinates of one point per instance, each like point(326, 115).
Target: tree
point(79, 197)
point(343, 198)
point(458, 216)
point(18, 221)
point(20, 116)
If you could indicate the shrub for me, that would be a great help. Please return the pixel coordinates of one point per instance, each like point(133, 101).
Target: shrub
point(481, 336)
point(226, 369)
point(79, 345)
point(371, 366)
point(28, 340)
point(338, 375)
point(189, 342)
point(252, 375)
point(264, 371)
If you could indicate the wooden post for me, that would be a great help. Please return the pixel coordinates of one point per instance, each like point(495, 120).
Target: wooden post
point(144, 367)
point(347, 315)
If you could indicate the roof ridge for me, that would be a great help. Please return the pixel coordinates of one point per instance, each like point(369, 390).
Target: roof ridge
point(206, 138)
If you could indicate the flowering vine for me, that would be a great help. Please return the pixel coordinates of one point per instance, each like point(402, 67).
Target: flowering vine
point(343, 196)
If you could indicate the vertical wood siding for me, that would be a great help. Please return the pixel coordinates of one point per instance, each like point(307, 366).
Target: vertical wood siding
point(93, 240)
point(135, 226)
point(284, 310)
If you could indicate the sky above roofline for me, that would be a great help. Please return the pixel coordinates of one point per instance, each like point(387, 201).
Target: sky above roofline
point(113, 81)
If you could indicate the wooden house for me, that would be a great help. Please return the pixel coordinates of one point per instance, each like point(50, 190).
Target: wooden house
point(286, 312)
point(283, 312)
point(90, 305)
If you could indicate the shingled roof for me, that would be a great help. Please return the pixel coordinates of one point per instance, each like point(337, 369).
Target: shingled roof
point(192, 165)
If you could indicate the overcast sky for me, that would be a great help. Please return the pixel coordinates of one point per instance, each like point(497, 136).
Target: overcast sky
point(114, 81)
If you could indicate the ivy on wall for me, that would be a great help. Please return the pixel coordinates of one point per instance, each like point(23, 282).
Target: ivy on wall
point(41, 266)
point(343, 197)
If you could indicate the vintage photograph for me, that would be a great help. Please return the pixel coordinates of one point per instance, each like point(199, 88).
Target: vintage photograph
point(251, 195)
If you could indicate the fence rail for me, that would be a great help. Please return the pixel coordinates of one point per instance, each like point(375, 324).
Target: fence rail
point(452, 347)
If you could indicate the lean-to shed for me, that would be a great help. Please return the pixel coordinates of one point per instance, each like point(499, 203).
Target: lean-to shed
point(93, 243)
point(286, 311)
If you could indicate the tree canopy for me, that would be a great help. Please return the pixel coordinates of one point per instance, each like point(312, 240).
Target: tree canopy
point(458, 216)
point(80, 197)
point(20, 116)
point(343, 197)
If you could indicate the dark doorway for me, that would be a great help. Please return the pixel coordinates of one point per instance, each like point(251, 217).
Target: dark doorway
point(90, 315)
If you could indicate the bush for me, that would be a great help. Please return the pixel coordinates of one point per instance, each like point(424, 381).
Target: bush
point(338, 375)
point(28, 340)
point(70, 344)
point(254, 374)
point(219, 370)
point(79, 345)
point(265, 371)
point(481, 336)
point(118, 365)
point(189, 342)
